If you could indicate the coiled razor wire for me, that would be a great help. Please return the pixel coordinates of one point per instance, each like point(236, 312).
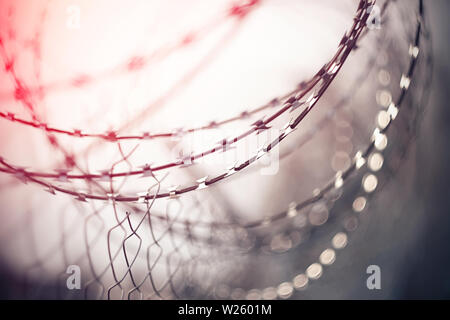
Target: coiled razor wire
point(184, 241)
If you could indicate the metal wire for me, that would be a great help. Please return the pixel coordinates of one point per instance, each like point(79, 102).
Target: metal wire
point(138, 246)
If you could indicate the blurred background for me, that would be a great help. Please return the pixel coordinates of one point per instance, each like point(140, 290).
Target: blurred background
point(415, 257)
point(413, 253)
point(425, 272)
point(412, 248)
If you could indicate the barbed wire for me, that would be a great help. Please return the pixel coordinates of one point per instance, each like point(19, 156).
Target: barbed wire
point(152, 250)
point(324, 77)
